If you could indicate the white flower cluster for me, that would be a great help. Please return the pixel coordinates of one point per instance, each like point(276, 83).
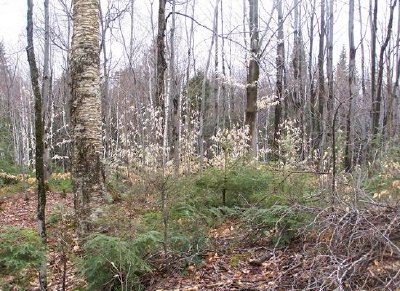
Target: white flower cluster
point(265, 102)
point(229, 145)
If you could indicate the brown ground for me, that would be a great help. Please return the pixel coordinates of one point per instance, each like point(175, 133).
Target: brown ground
point(234, 261)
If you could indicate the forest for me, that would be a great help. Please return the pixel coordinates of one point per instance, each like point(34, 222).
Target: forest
point(200, 145)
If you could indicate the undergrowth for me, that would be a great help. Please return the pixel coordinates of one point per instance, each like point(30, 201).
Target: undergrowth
point(21, 250)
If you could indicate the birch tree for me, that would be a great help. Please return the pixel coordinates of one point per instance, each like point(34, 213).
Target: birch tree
point(87, 167)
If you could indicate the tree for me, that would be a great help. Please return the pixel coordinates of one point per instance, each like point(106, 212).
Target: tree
point(39, 149)
point(253, 73)
point(374, 28)
point(376, 105)
point(348, 159)
point(321, 78)
point(87, 167)
point(204, 91)
point(280, 66)
point(161, 65)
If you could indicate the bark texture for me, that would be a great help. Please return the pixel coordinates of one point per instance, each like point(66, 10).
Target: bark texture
point(39, 149)
point(280, 66)
point(348, 158)
point(252, 76)
point(87, 166)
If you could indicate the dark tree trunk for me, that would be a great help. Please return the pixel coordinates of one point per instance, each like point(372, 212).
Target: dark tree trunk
point(39, 150)
point(376, 108)
point(161, 65)
point(280, 66)
point(321, 77)
point(252, 77)
point(374, 28)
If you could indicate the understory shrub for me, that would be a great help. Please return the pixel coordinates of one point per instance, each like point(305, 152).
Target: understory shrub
point(113, 263)
point(20, 249)
point(280, 222)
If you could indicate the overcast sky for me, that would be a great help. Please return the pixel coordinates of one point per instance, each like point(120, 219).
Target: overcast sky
point(13, 21)
point(12, 24)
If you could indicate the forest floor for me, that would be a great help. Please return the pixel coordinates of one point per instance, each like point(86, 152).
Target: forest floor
point(233, 261)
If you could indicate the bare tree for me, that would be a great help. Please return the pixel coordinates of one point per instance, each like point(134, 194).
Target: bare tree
point(374, 28)
point(321, 77)
point(376, 107)
point(329, 63)
point(203, 90)
point(39, 150)
point(280, 66)
point(161, 65)
point(253, 73)
point(390, 121)
point(348, 161)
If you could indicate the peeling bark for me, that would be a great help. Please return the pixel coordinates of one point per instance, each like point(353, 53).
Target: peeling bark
point(87, 166)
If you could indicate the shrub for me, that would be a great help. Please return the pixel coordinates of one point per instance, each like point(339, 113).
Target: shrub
point(19, 249)
point(281, 222)
point(60, 182)
point(239, 182)
point(112, 263)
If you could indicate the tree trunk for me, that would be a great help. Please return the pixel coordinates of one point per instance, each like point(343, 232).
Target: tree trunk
point(105, 99)
point(280, 66)
point(252, 77)
point(46, 90)
point(348, 158)
point(313, 102)
point(392, 108)
point(376, 112)
point(39, 132)
point(86, 125)
point(175, 97)
point(203, 92)
point(321, 80)
point(329, 66)
point(161, 65)
point(374, 28)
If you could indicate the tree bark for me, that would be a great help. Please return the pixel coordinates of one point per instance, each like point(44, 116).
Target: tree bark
point(161, 65)
point(39, 149)
point(321, 79)
point(252, 77)
point(46, 90)
point(203, 92)
point(374, 28)
point(280, 66)
point(175, 97)
point(313, 102)
point(86, 125)
point(376, 112)
point(329, 65)
point(348, 158)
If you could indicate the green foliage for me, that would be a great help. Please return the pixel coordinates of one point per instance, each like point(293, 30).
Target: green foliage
point(281, 222)
point(239, 181)
point(112, 263)
point(6, 157)
point(60, 183)
point(56, 213)
point(19, 249)
point(194, 89)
